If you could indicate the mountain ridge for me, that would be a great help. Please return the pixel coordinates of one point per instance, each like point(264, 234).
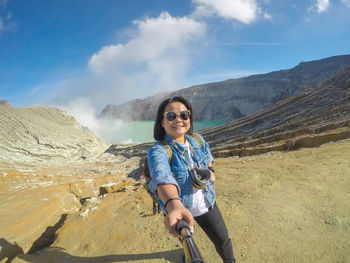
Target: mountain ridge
point(235, 98)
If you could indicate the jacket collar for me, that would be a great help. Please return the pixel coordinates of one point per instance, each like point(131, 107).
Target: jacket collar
point(189, 138)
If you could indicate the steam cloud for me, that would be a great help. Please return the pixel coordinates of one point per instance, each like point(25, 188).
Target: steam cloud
point(112, 131)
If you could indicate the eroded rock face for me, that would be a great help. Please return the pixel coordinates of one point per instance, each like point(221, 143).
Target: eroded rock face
point(316, 117)
point(44, 134)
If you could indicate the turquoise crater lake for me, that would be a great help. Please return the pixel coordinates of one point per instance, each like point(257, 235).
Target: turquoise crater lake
point(142, 131)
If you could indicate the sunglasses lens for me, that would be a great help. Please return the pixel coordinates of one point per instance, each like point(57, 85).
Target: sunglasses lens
point(170, 116)
point(184, 115)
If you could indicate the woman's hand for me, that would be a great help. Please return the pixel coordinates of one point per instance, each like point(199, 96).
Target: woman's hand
point(175, 208)
point(212, 177)
point(176, 212)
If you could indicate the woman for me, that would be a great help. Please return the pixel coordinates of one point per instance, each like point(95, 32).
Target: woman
point(173, 181)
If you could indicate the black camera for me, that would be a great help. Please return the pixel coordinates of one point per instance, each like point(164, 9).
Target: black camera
point(201, 177)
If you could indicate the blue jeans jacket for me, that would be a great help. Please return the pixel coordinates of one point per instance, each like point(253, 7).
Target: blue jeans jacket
point(178, 174)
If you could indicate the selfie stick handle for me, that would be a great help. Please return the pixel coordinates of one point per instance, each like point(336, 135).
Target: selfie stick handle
point(192, 253)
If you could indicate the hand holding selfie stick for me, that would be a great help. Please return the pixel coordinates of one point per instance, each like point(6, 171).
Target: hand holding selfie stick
point(192, 254)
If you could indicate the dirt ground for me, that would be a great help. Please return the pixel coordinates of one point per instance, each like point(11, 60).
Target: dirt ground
point(279, 207)
point(288, 207)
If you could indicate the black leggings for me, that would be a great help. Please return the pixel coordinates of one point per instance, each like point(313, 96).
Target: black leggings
point(214, 226)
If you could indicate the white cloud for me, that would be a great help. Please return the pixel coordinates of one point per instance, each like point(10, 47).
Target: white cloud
point(320, 6)
point(244, 11)
point(267, 16)
point(155, 59)
point(5, 22)
point(155, 38)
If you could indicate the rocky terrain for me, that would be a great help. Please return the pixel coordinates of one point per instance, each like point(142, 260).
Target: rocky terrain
point(49, 167)
point(279, 207)
point(235, 98)
point(44, 134)
point(282, 185)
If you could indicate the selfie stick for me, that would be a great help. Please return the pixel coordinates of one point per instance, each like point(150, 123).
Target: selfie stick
point(192, 254)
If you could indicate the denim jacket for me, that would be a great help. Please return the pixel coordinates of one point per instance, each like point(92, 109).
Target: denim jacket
point(178, 174)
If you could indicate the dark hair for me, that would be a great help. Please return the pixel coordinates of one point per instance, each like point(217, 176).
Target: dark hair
point(158, 131)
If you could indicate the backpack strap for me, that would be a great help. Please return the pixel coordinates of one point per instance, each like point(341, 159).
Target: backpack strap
point(168, 149)
point(198, 139)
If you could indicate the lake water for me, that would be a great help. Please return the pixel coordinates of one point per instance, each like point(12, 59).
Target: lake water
point(142, 131)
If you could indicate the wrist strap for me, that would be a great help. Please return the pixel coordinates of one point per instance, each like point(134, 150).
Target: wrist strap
point(171, 199)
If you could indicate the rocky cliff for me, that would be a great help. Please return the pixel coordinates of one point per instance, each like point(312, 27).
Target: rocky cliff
point(235, 98)
point(315, 117)
point(44, 134)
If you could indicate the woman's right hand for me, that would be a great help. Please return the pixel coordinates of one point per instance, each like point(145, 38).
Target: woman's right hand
point(176, 212)
point(175, 208)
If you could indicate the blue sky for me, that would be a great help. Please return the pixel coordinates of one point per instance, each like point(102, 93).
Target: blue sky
point(85, 54)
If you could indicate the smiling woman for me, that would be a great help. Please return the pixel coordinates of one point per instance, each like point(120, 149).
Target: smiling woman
point(184, 183)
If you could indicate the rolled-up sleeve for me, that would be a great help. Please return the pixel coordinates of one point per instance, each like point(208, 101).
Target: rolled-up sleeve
point(158, 162)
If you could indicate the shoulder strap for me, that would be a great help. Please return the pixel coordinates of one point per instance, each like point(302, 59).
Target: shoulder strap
point(168, 149)
point(198, 139)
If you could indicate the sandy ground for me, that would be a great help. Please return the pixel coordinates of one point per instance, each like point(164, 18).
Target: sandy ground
point(288, 207)
point(279, 207)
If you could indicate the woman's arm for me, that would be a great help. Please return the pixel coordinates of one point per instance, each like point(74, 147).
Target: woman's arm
point(164, 184)
point(175, 208)
point(160, 171)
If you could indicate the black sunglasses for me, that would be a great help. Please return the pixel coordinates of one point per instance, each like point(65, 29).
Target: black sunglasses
point(184, 115)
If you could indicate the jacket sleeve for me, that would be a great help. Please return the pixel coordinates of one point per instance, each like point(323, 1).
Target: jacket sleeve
point(160, 170)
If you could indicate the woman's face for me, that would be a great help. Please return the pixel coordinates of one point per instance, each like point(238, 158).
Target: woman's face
point(178, 127)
